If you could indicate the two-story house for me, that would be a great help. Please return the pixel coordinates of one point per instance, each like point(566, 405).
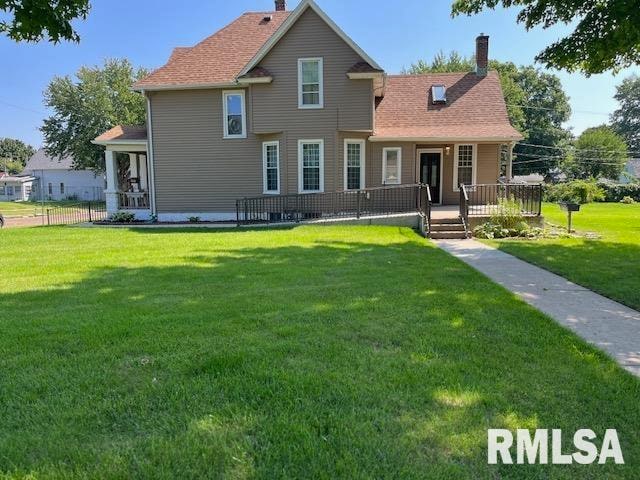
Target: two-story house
point(284, 102)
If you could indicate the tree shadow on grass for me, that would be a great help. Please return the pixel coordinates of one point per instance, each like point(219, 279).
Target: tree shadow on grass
point(338, 359)
point(611, 269)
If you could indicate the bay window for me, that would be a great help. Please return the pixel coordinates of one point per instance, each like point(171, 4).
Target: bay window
point(310, 166)
point(354, 164)
point(271, 167)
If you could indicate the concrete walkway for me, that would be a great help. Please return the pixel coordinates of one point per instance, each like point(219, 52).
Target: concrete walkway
point(606, 324)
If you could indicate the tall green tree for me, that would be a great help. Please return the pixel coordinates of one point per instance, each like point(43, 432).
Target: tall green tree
point(536, 103)
point(606, 36)
point(626, 119)
point(33, 20)
point(599, 153)
point(88, 105)
point(14, 154)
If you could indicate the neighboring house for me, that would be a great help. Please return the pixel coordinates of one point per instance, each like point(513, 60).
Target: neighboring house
point(534, 178)
point(631, 171)
point(16, 188)
point(286, 103)
point(57, 180)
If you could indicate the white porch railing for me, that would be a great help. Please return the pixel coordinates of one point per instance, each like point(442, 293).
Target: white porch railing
point(133, 200)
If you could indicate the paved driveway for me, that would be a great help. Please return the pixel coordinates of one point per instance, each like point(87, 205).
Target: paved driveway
point(18, 222)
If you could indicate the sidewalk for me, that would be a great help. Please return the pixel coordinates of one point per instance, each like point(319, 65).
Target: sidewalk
point(606, 324)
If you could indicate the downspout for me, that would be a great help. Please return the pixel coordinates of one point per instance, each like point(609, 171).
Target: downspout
point(151, 170)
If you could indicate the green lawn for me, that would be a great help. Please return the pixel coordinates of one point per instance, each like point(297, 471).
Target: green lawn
point(609, 265)
point(313, 352)
point(30, 209)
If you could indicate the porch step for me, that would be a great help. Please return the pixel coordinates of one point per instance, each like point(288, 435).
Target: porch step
point(447, 228)
point(448, 235)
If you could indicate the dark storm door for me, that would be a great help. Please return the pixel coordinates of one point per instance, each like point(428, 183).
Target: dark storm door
point(430, 172)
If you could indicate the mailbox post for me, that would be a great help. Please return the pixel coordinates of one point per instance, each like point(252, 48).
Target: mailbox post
point(569, 207)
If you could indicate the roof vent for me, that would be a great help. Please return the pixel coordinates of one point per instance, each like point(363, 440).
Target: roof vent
point(438, 94)
point(267, 18)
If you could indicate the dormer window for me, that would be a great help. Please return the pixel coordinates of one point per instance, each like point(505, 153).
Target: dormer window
point(310, 83)
point(439, 94)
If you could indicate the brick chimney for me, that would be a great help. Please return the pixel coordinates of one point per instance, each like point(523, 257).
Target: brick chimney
point(482, 54)
point(281, 5)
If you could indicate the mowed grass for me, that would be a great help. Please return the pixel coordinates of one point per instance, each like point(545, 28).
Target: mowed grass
point(31, 209)
point(312, 352)
point(609, 265)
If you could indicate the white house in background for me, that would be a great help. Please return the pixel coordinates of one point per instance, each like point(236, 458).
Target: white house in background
point(15, 188)
point(57, 180)
point(631, 171)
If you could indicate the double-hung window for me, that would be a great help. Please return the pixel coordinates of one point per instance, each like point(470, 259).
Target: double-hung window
point(353, 164)
point(235, 118)
point(310, 166)
point(391, 166)
point(271, 167)
point(310, 83)
point(464, 162)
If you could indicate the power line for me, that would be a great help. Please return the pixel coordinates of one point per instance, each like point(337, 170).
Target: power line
point(589, 112)
point(27, 109)
point(573, 149)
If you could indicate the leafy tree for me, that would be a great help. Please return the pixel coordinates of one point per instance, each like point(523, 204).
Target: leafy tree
point(536, 104)
point(599, 153)
point(606, 36)
point(97, 100)
point(14, 155)
point(626, 119)
point(33, 20)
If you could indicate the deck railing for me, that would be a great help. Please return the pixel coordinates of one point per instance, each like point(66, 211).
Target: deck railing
point(381, 201)
point(488, 199)
point(133, 200)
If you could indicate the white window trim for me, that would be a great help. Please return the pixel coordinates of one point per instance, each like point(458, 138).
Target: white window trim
point(320, 61)
point(474, 162)
point(225, 123)
point(363, 155)
point(300, 169)
point(384, 165)
point(264, 167)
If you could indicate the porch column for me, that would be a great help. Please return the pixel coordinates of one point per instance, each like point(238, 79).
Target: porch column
point(510, 162)
point(144, 185)
point(111, 193)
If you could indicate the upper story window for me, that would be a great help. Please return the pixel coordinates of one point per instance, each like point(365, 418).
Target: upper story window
point(354, 164)
point(391, 165)
point(235, 118)
point(310, 83)
point(465, 166)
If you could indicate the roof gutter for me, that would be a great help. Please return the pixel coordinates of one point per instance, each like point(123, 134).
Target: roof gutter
point(195, 86)
point(375, 138)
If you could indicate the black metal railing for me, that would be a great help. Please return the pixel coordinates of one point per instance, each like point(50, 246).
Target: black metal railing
point(381, 201)
point(76, 213)
point(489, 199)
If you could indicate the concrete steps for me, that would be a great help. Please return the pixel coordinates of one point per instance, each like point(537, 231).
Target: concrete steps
point(447, 228)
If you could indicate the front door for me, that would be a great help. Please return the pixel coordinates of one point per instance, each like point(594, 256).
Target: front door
point(430, 171)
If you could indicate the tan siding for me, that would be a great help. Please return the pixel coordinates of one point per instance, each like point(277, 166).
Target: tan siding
point(196, 170)
point(488, 163)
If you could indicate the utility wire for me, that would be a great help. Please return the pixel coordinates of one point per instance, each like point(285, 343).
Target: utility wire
point(572, 149)
point(589, 112)
point(27, 109)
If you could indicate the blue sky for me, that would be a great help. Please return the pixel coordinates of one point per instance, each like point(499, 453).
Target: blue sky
point(395, 33)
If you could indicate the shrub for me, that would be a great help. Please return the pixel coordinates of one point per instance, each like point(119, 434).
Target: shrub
point(615, 192)
point(194, 219)
point(122, 217)
point(508, 214)
point(491, 230)
point(576, 191)
point(628, 200)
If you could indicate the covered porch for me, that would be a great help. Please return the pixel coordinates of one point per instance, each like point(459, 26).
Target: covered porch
point(127, 170)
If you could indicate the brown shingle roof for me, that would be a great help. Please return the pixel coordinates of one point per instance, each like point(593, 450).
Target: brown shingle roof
point(474, 109)
point(364, 67)
point(219, 58)
point(123, 132)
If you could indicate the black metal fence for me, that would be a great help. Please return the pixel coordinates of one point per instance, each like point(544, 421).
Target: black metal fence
point(75, 213)
point(490, 199)
point(382, 201)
